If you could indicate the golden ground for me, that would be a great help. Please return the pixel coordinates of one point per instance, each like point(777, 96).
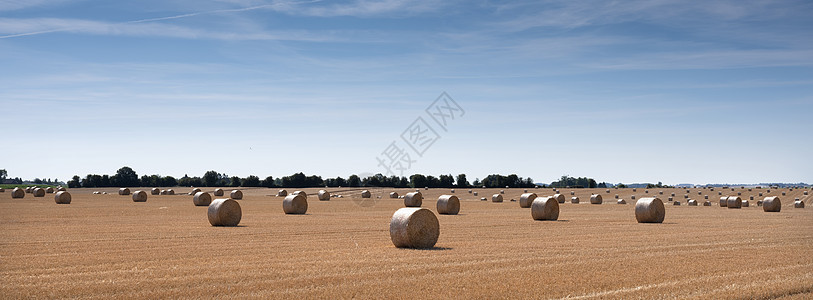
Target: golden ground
point(104, 246)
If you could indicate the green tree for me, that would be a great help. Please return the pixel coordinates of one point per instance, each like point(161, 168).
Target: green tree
point(210, 178)
point(267, 182)
point(461, 181)
point(74, 183)
point(126, 177)
point(3, 174)
point(354, 181)
point(251, 181)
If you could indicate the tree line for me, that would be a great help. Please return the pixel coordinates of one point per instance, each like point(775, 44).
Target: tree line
point(127, 177)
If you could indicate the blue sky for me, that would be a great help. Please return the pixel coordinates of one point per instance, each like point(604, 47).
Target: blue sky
point(627, 91)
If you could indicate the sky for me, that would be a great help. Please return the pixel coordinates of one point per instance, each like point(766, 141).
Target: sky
point(619, 91)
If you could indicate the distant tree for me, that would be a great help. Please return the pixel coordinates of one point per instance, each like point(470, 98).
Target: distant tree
point(418, 181)
point(267, 182)
point(354, 181)
point(476, 182)
point(251, 181)
point(169, 181)
point(3, 174)
point(621, 186)
point(74, 183)
point(210, 178)
point(234, 181)
point(125, 176)
point(461, 181)
point(37, 181)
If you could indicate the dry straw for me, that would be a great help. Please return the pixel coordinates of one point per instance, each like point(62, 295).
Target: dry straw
point(414, 199)
point(124, 191)
point(140, 196)
point(39, 192)
point(496, 198)
point(295, 204)
point(545, 209)
point(650, 210)
point(596, 199)
point(526, 199)
point(448, 205)
point(413, 227)
point(323, 195)
point(17, 193)
point(394, 195)
point(62, 197)
point(202, 199)
point(367, 194)
point(219, 192)
point(224, 212)
point(771, 204)
point(236, 195)
point(282, 193)
point(559, 198)
point(734, 202)
point(155, 191)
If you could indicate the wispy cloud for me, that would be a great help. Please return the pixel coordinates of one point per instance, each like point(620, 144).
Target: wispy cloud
point(7, 5)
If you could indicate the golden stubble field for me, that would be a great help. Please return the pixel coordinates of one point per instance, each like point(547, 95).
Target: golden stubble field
point(106, 246)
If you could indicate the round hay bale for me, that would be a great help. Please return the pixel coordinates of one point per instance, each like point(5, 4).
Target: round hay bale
point(572, 193)
point(301, 193)
point(734, 202)
point(414, 199)
point(607, 191)
point(61, 189)
point(751, 198)
point(470, 192)
point(660, 192)
point(759, 203)
point(224, 212)
point(616, 196)
point(164, 192)
point(596, 199)
point(723, 201)
point(367, 194)
point(706, 197)
point(295, 204)
point(219, 192)
point(483, 199)
point(236, 195)
point(574, 200)
point(202, 199)
point(771, 204)
point(673, 194)
point(632, 197)
point(394, 195)
point(692, 203)
point(526, 199)
point(282, 193)
point(124, 191)
point(17, 193)
point(38, 192)
point(805, 193)
point(475, 193)
point(414, 227)
point(719, 193)
point(783, 193)
point(670, 199)
point(62, 197)
point(760, 194)
point(502, 191)
point(2, 190)
point(448, 205)
point(507, 187)
point(699, 193)
point(799, 204)
point(28, 190)
point(323, 195)
point(646, 191)
point(426, 188)
point(707, 203)
point(676, 203)
point(496, 198)
point(621, 201)
point(650, 210)
point(452, 190)
point(686, 196)
point(155, 191)
point(559, 198)
point(525, 190)
point(194, 191)
point(140, 196)
point(634, 189)
point(50, 190)
point(545, 209)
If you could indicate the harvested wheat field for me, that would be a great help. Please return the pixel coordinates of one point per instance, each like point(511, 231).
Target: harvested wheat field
point(104, 246)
